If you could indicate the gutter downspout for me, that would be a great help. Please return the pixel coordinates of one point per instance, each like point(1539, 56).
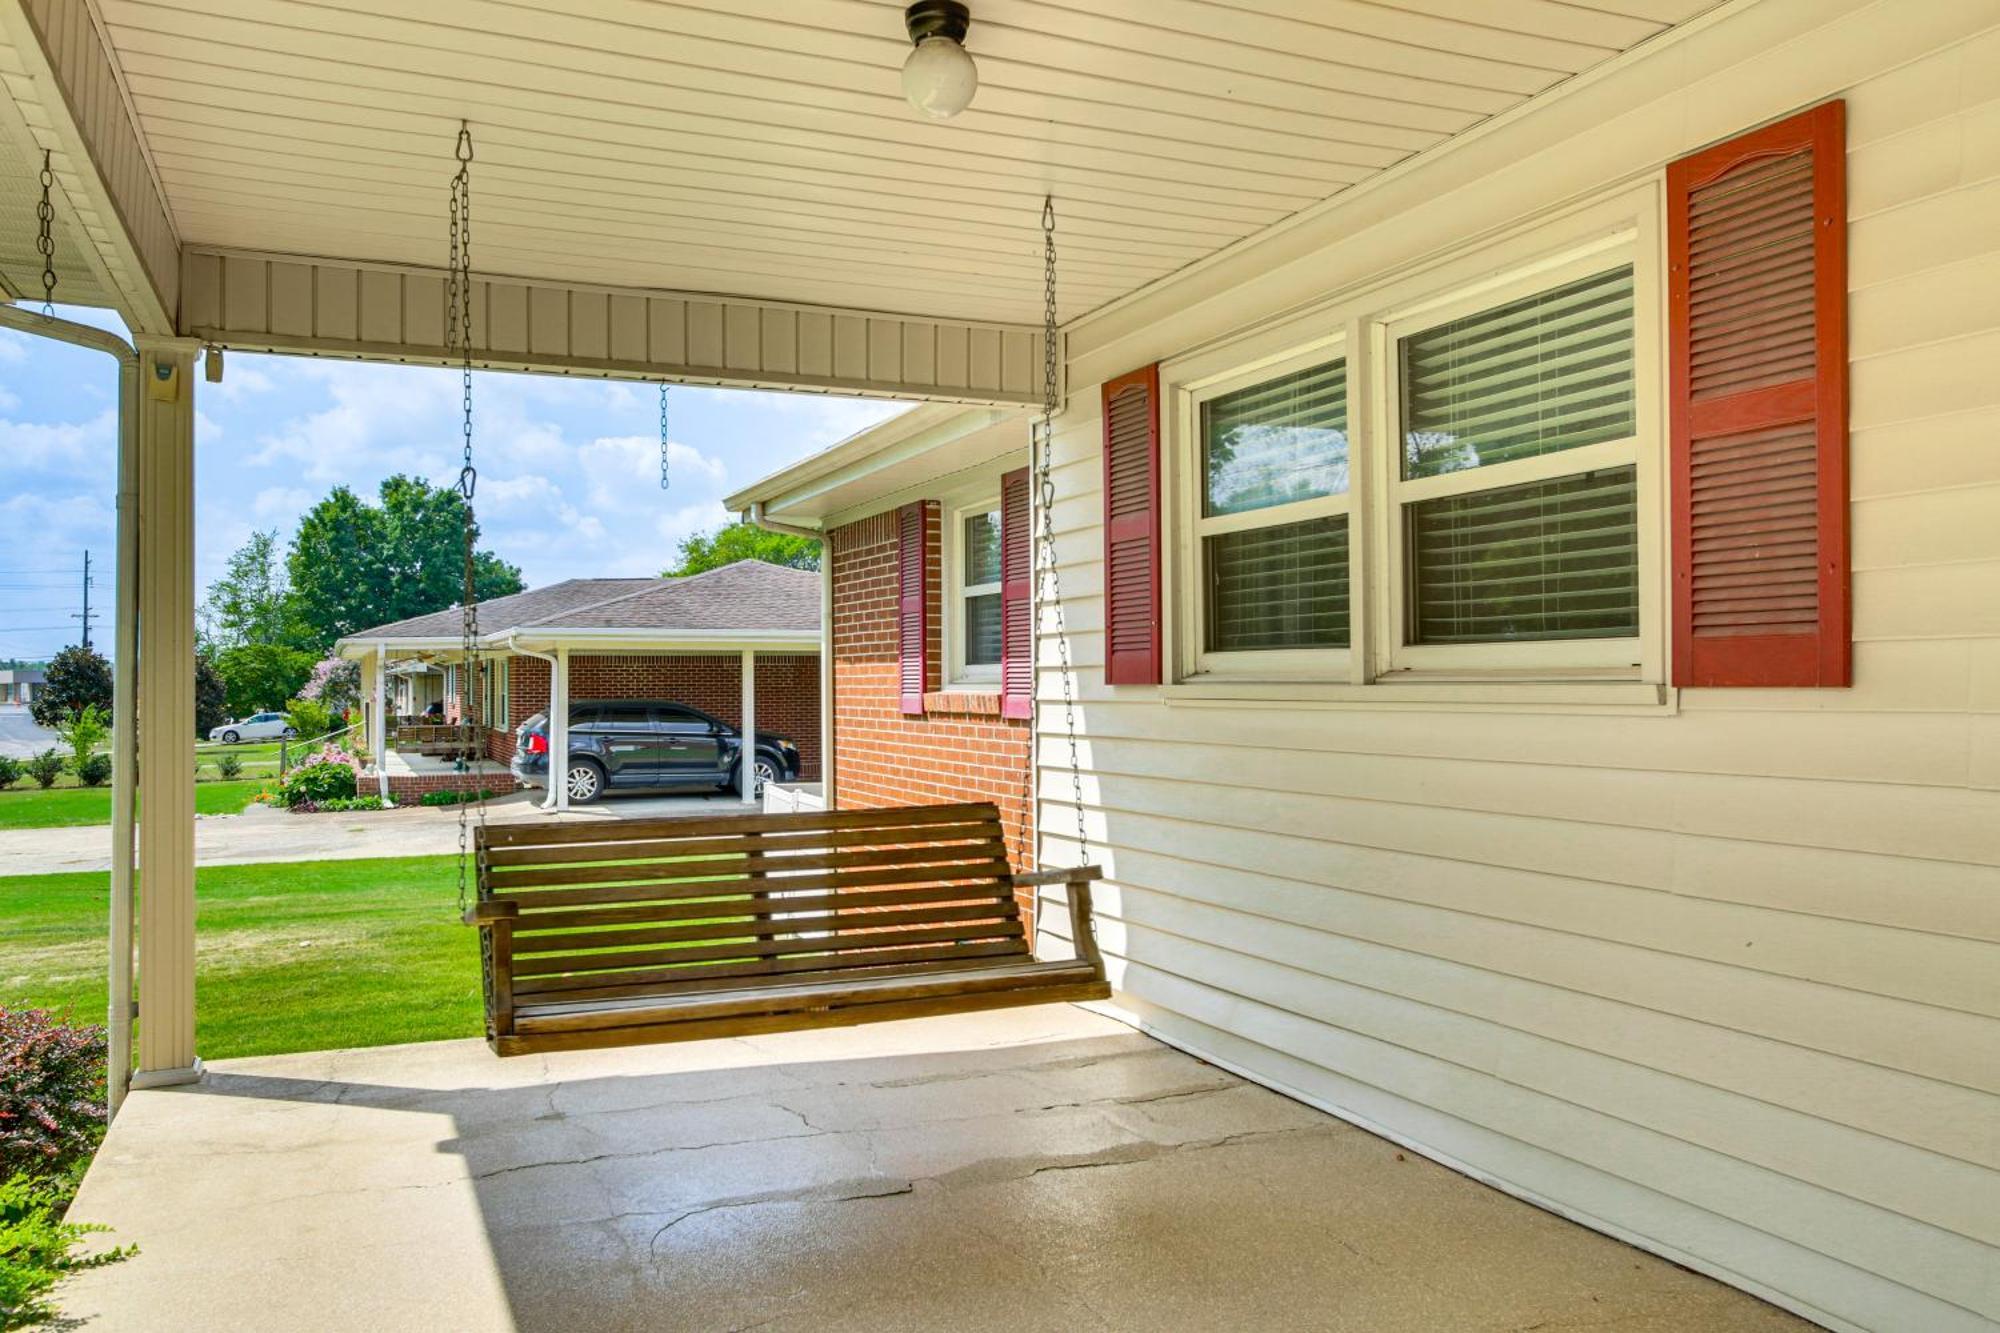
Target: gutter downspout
point(755, 516)
point(124, 676)
point(551, 801)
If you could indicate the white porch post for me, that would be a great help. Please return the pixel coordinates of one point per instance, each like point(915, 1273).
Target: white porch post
point(166, 713)
point(559, 733)
point(746, 757)
point(378, 726)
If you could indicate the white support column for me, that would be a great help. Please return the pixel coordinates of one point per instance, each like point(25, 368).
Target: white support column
point(166, 713)
point(746, 757)
point(378, 725)
point(559, 733)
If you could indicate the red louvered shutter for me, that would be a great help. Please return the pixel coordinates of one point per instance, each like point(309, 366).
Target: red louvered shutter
point(1757, 319)
point(1017, 598)
point(1132, 528)
point(912, 606)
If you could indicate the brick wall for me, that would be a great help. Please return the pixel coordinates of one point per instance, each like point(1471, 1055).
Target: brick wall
point(960, 749)
point(787, 692)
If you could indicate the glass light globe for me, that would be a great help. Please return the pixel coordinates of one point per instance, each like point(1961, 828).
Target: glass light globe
point(939, 78)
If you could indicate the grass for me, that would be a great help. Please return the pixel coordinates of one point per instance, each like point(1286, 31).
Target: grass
point(289, 957)
point(68, 807)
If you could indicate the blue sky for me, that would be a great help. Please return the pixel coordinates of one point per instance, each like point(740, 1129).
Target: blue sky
point(569, 468)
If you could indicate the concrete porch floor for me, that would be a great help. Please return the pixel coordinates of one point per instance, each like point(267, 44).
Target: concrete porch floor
point(1042, 1168)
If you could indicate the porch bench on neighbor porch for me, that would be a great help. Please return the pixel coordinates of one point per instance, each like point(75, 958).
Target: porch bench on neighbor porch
point(676, 930)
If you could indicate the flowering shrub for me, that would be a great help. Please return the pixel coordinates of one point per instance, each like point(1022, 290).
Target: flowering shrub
point(314, 783)
point(334, 683)
point(51, 1091)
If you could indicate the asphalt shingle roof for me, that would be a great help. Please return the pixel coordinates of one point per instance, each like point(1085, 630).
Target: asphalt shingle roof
point(749, 595)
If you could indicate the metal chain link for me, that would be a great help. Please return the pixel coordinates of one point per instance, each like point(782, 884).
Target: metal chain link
point(45, 239)
point(1046, 498)
point(663, 435)
point(471, 679)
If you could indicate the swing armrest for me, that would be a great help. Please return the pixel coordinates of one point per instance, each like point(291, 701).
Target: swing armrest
point(1079, 879)
point(1034, 879)
point(488, 914)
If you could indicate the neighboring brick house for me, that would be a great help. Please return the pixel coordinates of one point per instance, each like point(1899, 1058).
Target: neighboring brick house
point(929, 668)
point(685, 640)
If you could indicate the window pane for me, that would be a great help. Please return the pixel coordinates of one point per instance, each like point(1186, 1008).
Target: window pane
point(1551, 560)
point(1282, 587)
point(1551, 372)
point(982, 630)
point(982, 548)
point(1277, 442)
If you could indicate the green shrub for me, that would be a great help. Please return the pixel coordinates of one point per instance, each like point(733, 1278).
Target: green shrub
point(317, 783)
point(344, 805)
point(229, 767)
point(83, 731)
point(310, 718)
point(94, 771)
point(45, 768)
point(38, 1248)
point(455, 797)
point(10, 770)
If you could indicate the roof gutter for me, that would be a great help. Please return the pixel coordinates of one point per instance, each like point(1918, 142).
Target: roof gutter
point(755, 517)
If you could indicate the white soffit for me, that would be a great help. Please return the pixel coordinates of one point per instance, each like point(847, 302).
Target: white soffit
point(762, 148)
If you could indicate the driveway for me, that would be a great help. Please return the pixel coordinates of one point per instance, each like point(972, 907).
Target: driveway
point(19, 736)
point(265, 834)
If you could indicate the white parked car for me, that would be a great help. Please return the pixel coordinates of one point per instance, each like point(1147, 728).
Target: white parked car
point(258, 727)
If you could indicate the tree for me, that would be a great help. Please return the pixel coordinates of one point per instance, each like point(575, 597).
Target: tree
point(354, 565)
point(335, 684)
point(740, 541)
point(78, 678)
point(249, 603)
point(260, 677)
point(211, 695)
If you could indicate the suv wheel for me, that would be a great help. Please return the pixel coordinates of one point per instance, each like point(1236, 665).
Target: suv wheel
point(585, 782)
point(767, 771)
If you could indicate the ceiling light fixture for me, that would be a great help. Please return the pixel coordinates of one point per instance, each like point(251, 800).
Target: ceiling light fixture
point(939, 78)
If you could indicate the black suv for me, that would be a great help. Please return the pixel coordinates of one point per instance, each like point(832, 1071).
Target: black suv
point(647, 745)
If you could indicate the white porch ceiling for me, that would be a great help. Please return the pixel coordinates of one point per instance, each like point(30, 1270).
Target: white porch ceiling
point(762, 148)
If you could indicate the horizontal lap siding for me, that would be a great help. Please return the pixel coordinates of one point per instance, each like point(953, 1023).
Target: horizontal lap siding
point(1724, 980)
point(959, 749)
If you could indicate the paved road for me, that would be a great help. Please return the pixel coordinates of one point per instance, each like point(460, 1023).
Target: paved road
point(263, 834)
point(19, 736)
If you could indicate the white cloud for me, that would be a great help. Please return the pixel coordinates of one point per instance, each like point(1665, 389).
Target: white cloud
point(284, 503)
point(13, 347)
point(75, 446)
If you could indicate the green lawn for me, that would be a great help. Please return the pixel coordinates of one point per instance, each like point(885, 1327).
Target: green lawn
point(64, 807)
point(290, 957)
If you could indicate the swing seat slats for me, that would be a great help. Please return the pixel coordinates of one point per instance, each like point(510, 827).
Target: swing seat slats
point(619, 933)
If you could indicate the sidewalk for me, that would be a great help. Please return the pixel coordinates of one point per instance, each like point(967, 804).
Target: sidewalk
point(265, 834)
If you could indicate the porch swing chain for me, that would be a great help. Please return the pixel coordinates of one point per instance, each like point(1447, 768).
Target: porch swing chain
point(663, 435)
point(1046, 487)
point(458, 334)
point(45, 238)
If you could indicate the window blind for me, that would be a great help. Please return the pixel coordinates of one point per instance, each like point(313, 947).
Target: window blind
point(1548, 560)
point(1278, 587)
point(1548, 372)
point(1277, 442)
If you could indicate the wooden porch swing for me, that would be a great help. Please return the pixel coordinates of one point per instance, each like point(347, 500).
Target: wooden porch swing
point(614, 934)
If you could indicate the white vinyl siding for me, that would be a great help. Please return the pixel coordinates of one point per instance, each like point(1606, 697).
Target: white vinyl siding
point(1721, 977)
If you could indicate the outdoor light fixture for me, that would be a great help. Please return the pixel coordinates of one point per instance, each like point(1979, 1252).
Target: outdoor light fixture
point(939, 78)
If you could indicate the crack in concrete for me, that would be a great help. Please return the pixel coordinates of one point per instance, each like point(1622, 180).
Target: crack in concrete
point(847, 1192)
point(640, 1153)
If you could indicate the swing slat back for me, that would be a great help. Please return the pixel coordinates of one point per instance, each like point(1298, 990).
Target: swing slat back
point(617, 932)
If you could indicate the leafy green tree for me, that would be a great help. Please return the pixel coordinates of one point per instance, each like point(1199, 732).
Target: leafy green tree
point(249, 603)
point(354, 565)
point(79, 677)
point(258, 677)
point(211, 695)
point(740, 541)
point(83, 731)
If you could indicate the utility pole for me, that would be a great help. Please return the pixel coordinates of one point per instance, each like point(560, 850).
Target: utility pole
point(85, 617)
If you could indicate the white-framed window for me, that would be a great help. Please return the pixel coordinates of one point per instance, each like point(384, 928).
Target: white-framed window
point(1267, 499)
point(1489, 509)
point(972, 613)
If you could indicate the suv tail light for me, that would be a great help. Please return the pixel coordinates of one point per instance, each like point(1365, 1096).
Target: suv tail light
point(538, 743)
